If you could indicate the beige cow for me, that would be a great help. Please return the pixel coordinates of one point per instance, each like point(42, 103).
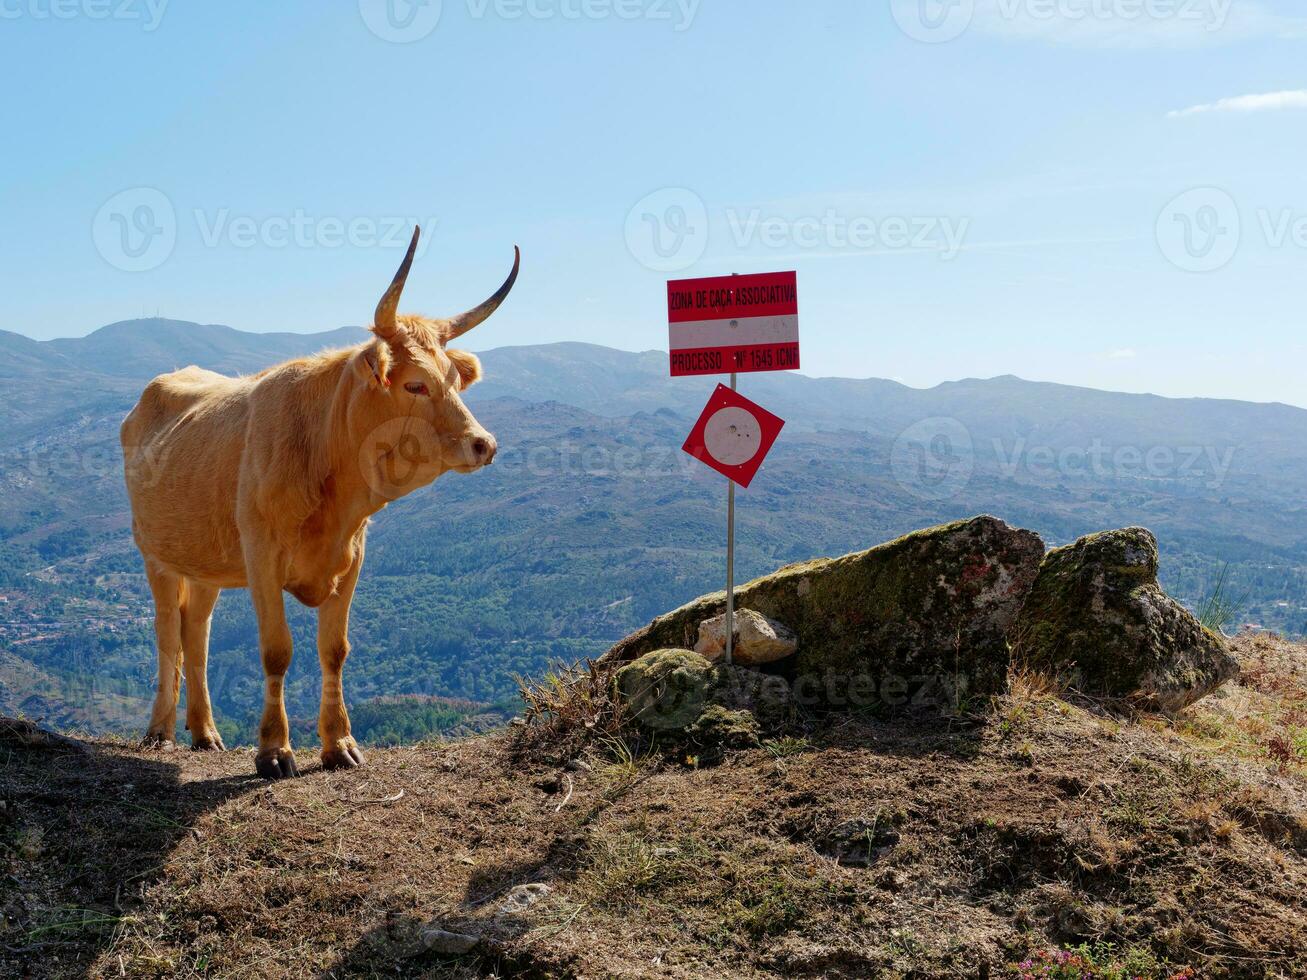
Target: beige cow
point(267, 482)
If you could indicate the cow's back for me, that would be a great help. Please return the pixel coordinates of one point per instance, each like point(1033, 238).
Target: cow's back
point(182, 449)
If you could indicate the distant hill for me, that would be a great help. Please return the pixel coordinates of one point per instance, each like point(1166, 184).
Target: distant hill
point(144, 348)
point(592, 520)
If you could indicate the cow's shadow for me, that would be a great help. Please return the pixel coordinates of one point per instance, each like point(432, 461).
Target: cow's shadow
point(84, 829)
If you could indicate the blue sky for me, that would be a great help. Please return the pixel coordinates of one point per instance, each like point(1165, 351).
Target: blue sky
point(1098, 192)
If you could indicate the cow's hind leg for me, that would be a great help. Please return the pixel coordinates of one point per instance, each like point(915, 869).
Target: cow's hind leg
point(198, 601)
point(166, 589)
point(339, 750)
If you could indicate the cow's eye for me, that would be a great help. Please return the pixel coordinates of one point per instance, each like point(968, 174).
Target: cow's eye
point(415, 388)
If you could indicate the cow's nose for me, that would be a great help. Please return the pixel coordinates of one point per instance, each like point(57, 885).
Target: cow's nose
point(483, 449)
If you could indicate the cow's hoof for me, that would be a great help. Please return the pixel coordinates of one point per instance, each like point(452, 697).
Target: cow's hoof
point(156, 742)
point(276, 764)
point(210, 742)
point(345, 755)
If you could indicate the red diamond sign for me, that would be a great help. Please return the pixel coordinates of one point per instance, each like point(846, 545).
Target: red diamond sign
point(733, 435)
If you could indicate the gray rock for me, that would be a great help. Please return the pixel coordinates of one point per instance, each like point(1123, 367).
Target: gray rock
point(1097, 619)
point(758, 640)
point(921, 618)
point(447, 943)
point(671, 690)
point(861, 843)
point(522, 897)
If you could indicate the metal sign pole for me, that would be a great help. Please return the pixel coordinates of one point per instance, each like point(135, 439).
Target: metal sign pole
point(730, 548)
point(730, 560)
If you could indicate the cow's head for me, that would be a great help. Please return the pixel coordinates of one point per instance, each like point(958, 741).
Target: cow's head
point(420, 427)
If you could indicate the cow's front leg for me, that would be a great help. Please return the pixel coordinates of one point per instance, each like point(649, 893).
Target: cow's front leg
point(339, 750)
point(275, 759)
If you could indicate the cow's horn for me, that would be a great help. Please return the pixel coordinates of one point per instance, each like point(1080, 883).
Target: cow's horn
point(461, 324)
point(383, 322)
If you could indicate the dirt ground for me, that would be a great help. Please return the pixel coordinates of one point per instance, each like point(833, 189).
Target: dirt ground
point(959, 846)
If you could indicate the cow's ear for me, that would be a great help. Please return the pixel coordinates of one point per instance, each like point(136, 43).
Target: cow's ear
point(373, 365)
point(468, 365)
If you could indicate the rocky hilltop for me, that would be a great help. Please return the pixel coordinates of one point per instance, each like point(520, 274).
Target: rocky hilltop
point(945, 615)
point(1095, 784)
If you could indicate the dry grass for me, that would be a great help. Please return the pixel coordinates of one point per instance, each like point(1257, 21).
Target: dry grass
point(568, 708)
point(1262, 718)
point(865, 847)
point(618, 869)
point(1025, 684)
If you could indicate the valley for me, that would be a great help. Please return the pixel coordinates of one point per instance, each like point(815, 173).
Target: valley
point(592, 521)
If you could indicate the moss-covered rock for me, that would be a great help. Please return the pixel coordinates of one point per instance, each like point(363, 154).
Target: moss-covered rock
point(666, 689)
point(673, 690)
point(720, 729)
point(912, 620)
point(1097, 618)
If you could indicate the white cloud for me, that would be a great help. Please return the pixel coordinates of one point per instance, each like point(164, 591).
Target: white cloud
point(1292, 99)
point(1121, 353)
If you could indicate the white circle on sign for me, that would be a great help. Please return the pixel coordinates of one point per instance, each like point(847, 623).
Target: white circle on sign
point(732, 436)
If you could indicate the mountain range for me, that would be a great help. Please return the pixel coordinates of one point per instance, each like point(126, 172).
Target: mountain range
point(592, 520)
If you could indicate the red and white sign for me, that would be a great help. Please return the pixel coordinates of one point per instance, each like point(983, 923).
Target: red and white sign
point(733, 435)
point(733, 323)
